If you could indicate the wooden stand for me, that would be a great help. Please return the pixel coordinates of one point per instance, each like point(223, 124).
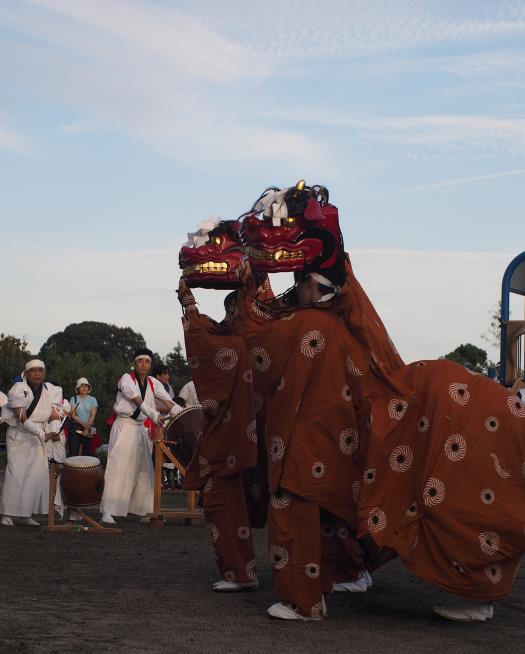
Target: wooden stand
point(159, 515)
point(94, 526)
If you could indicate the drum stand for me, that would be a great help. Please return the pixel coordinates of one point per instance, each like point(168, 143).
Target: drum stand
point(94, 526)
point(159, 515)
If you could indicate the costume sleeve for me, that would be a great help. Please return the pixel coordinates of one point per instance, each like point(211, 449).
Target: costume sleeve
point(159, 391)
point(128, 387)
point(18, 396)
point(3, 399)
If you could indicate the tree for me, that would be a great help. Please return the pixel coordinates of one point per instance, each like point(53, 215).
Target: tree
point(13, 356)
point(493, 334)
point(178, 367)
point(108, 341)
point(469, 355)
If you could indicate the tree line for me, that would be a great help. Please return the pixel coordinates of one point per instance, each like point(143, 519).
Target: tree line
point(96, 350)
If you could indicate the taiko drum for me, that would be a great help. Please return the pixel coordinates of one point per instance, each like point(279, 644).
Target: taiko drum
point(82, 481)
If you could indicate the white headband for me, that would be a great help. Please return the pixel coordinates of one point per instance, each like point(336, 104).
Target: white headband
point(143, 356)
point(320, 279)
point(34, 363)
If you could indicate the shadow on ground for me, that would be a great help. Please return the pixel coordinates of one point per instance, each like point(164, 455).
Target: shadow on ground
point(148, 590)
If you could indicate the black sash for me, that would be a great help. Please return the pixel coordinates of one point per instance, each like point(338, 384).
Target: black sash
point(142, 388)
point(36, 398)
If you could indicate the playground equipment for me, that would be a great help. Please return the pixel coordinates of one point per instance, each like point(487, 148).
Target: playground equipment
point(512, 349)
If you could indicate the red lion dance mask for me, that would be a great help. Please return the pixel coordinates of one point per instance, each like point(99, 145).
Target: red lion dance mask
point(213, 255)
point(298, 231)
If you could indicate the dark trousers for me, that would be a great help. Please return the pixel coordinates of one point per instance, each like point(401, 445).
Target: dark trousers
point(75, 441)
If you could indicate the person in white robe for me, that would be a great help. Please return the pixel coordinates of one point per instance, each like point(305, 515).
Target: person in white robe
point(55, 444)
point(3, 402)
point(29, 408)
point(129, 477)
point(189, 394)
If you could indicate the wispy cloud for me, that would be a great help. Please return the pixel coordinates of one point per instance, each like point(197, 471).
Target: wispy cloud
point(454, 182)
point(13, 142)
point(359, 28)
point(152, 72)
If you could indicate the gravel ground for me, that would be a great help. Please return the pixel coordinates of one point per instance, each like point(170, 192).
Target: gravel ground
point(148, 590)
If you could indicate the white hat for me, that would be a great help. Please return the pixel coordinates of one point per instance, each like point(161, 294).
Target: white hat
point(80, 381)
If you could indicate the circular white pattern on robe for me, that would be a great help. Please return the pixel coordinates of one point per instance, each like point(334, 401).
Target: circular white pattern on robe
point(352, 368)
point(459, 393)
point(434, 492)
point(229, 575)
point(260, 310)
point(231, 461)
point(193, 363)
point(494, 573)
point(455, 448)
point(316, 610)
point(492, 424)
point(376, 520)
point(282, 384)
point(369, 476)
point(278, 557)
point(401, 458)
point(318, 469)
point(346, 394)
point(210, 406)
point(251, 431)
point(276, 448)
point(243, 532)
point(312, 570)
point(489, 542)
point(247, 376)
point(312, 343)
point(356, 487)
point(226, 358)
point(487, 496)
point(499, 468)
point(214, 532)
point(251, 570)
point(258, 402)
point(327, 530)
point(227, 416)
point(411, 512)
point(261, 358)
point(348, 441)
point(204, 466)
point(516, 407)
point(343, 533)
point(187, 299)
point(423, 424)
point(397, 408)
point(208, 485)
point(280, 499)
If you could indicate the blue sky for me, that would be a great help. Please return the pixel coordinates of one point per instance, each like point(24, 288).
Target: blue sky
point(123, 123)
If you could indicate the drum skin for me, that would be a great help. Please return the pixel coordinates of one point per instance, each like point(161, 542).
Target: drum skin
point(82, 482)
point(182, 433)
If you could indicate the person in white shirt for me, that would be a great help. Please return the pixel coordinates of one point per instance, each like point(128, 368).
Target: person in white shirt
point(3, 402)
point(189, 394)
point(29, 409)
point(129, 477)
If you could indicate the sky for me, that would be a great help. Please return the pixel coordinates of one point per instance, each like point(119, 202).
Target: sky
point(124, 123)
